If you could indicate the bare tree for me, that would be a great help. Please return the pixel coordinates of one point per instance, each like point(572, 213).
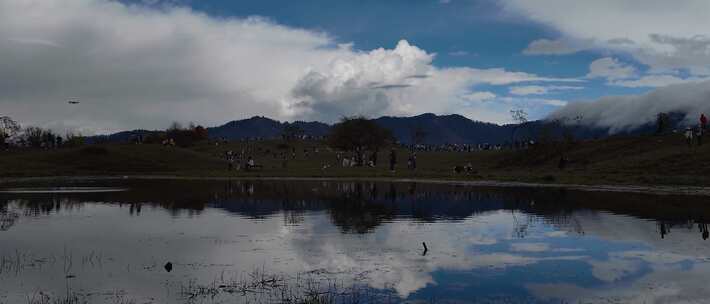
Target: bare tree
point(8, 128)
point(520, 117)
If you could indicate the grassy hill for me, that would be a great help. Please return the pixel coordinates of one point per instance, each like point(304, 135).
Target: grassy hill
point(624, 160)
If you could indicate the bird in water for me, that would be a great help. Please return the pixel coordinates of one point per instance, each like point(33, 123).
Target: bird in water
point(73, 102)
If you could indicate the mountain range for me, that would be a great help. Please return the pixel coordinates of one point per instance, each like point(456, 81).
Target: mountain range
point(437, 129)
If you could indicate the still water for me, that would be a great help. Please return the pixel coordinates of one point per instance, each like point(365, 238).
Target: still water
point(348, 242)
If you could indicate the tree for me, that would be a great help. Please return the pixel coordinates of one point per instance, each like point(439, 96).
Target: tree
point(358, 133)
point(36, 137)
point(662, 123)
point(520, 117)
point(8, 128)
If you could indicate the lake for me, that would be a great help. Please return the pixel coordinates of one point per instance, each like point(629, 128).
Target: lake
point(239, 241)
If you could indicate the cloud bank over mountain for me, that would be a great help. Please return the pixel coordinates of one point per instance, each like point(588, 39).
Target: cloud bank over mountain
point(664, 45)
point(621, 113)
point(138, 66)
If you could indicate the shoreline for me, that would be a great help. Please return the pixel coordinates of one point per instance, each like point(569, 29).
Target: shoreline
point(644, 189)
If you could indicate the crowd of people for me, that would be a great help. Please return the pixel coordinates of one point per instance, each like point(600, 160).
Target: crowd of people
point(239, 161)
point(244, 159)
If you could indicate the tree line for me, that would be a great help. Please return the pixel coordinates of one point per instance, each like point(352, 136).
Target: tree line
point(13, 134)
point(350, 134)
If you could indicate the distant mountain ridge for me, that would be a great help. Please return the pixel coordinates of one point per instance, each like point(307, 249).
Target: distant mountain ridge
point(263, 127)
point(441, 129)
point(438, 129)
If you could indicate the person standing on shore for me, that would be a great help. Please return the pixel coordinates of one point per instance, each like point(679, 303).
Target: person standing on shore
point(703, 122)
point(393, 159)
point(689, 136)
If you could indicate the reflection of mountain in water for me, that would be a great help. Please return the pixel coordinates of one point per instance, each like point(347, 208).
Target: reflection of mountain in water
point(359, 207)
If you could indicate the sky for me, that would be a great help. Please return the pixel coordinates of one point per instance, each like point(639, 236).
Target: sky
point(146, 63)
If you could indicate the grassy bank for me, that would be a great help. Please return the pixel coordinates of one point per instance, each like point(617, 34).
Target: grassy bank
point(663, 160)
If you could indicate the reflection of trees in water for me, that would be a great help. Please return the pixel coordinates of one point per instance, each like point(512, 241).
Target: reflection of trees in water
point(360, 206)
point(665, 228)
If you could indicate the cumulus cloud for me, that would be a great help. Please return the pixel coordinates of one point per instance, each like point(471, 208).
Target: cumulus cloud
point(131, 66)
point(621, 113)
point(661, 34)
point(145, 65)
point(383, 82)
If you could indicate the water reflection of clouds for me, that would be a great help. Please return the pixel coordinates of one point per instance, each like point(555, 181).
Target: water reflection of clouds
point(674, 269)
point(478, 246)
point(619, 267)
point(390, 256)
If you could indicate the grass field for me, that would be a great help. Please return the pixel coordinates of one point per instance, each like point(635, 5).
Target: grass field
point(664, 160)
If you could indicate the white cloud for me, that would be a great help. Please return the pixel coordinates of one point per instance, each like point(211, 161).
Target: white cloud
point(131, 66)
point(137, 66)
point(537, 107)
point(610, 68)
point(661, 34)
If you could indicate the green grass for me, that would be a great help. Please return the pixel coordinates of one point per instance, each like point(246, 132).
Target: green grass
point(638, 160)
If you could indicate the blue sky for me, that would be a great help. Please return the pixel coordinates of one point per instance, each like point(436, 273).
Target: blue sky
point(476, 33)
point(149, 62)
